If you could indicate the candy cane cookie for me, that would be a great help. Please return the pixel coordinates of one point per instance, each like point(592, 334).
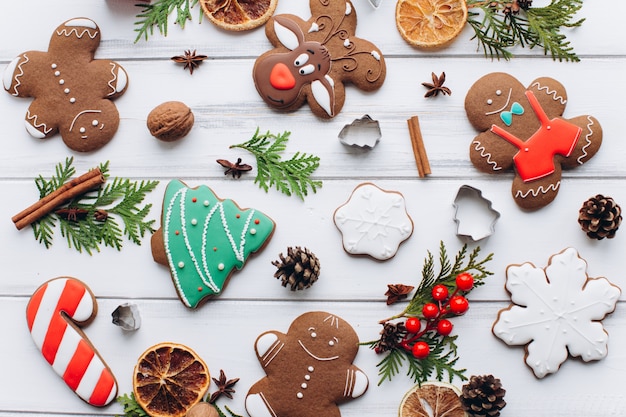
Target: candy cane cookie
point(54, 313)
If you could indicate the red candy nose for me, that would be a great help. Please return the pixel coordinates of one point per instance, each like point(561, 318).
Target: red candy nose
point(281, 78)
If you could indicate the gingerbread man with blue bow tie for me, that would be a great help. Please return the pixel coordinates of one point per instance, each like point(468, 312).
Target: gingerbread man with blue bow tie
point(72, 91)
point(522, 129)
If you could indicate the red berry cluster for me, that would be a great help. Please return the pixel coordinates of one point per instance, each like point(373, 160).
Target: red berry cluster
point(435, 315)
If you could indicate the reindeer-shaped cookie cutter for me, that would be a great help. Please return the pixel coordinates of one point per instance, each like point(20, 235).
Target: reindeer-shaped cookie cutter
point(281, 78)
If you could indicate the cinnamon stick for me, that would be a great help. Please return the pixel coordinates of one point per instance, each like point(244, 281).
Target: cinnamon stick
point(419, 150)
point(71, 189)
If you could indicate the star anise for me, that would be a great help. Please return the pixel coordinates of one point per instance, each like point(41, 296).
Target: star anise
point(224, 387)
point(190, 59)
point(235, 169)
point(397, 292)
point(437, 86)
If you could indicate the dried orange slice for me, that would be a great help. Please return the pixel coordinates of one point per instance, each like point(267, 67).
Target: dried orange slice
point(430, 23)
point(169, 379)
point(432, 399)
point(238, 15)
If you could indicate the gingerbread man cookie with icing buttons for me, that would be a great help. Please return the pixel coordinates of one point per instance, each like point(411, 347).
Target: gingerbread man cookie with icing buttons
point(522, 130)
point(309, 369)
point(313, 59)
point(72, 91)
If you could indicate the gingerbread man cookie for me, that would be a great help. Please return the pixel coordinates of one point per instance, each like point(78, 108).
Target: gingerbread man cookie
point(309, 369)
point(72, 90)
point(313, 59)
point(522, 130)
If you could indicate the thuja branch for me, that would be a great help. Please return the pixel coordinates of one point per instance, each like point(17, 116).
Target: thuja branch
point(502, 24)
point(292, 176)
point(86, 210)
point(157, 15)
point(420, 335)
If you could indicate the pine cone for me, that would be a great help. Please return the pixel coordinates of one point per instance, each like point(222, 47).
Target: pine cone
point(600, 217)
point(299, 269)
point(390, 336)
point(483, 396)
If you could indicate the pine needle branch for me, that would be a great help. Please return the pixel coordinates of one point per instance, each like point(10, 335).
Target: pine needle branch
point(292, 176)
point(497, 27)
point(157, 15)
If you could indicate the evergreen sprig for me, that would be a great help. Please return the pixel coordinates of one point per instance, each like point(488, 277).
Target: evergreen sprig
point(121, 199)
point(131, 407)
point(157, 14)
point(443, 356)
point(292, 176)
point(497, 28)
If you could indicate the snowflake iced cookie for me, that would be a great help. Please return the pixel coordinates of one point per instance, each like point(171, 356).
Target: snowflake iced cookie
point(373, 222)
point(203, 239)
point(522, 129)
point(72, 91)
point(557, 312)
point(309, 369)
point(313, 59)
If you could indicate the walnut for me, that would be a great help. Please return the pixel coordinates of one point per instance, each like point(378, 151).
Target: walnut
point(170, 121)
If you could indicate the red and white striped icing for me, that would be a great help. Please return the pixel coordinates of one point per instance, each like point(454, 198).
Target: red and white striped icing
point(68, 351)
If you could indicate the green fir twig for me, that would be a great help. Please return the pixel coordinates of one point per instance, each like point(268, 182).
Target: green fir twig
point(497, 28)
point(100, 212)
point(157, 15)
point(131, 407)
point(396, 342)
point(292, 176)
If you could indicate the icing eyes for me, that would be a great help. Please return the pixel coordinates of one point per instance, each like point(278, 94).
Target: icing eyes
point(313, 334)
point(333, 341)
point(301, 60)
point(307, 69)
point(490, 102)
point(82, 130)
point(94, 123)
point(498, 92)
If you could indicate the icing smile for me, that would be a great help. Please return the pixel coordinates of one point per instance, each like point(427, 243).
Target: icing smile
point(508, 99)
point(279, 101)
point(331, 358)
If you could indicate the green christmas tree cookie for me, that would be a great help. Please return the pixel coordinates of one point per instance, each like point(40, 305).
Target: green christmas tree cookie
point(203, 239)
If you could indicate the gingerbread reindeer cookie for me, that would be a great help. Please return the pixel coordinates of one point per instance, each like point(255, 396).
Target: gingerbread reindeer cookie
point(309, 369)
point(313, 59)
point(522, 129)
point(72, 90)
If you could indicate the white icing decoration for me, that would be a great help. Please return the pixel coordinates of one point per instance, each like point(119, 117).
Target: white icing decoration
point(508, 100)
point(360, 384)
point(286, 36)
point(181, 264)
point(82, 112)
point(549, 92)
point(376, 55)
point(82, 130)
point(587, 139)
point(53, 66)
point(66, 91)
point(257, 406)
point(498, 92)
point(68, 33)
point(489, 101)
point(73, 100)
point(346, 43)
point(194, 222)
point(535, 192)
point(319, 358)
point(557, 310)
point(314, 27)
point(8, 73)
point(119, 80)
point(373, 222)
point(253, 231)
point(299, 395)
point(322, 95)
point(32, 126)
point(220, 267)
point(61, 81)
point(483, 152)
point(94, 123)
point(348, 8)
point(82, 22)
point(264, 343)
point(206, 203)
point(310, 369)
point(304, 385)
point(334, 321)
point(57, 73)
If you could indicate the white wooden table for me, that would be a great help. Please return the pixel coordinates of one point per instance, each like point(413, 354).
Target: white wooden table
point(228, 110)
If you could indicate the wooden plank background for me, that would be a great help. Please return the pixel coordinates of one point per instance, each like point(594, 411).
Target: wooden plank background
point(228, 110)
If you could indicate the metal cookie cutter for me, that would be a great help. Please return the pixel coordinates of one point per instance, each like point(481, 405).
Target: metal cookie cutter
point(363, 133)
point(474, 214)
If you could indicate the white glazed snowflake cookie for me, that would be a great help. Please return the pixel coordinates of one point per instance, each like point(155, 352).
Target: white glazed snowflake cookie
point(556, 311)
point(373, 222)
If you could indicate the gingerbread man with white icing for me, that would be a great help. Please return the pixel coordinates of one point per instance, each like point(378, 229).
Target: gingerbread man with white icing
point(309, 369)
point(523, 130)
point(72, 90)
